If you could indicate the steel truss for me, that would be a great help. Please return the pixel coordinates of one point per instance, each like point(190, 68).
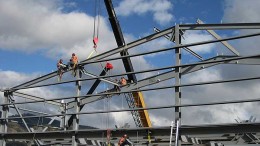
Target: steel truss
point(159, 135)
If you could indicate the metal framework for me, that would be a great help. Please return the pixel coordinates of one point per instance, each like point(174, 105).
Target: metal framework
point(228, 134)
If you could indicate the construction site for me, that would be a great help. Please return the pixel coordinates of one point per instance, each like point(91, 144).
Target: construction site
point(68, 131)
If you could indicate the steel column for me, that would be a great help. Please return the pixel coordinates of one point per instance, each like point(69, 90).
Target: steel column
point(77, 110)
point(64, 119)
point(177, 78)
point(4, 122)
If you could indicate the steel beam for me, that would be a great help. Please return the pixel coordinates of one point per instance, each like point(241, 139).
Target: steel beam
point(32, 111)
point(133, 44)
point(37, 80)
point(100, 56)
point(142, 132)
point(150, 108)
point(90, 91)
point(177, 109)
point(95, 76)
point(130, 45)
point(203, 63)
point(64, 120)
point(154, 80)
point(220, 26)
point(35, 98)
point(177, 75)
point(185, 48)
point(116, 50)
point(75, 125)
point(172, 74)
point(37, 142)
point(215, 35)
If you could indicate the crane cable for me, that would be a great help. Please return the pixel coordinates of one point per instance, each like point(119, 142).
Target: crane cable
point(96, 29)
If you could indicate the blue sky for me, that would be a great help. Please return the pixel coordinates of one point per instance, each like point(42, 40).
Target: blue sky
point(35, 34)
point(136, 25)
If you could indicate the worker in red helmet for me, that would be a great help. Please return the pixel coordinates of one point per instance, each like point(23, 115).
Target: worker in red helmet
point(74, 63)
point(61, 68)
point(124, 141)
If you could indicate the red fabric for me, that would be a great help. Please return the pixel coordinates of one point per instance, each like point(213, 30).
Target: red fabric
point(109, 66)
point(95, 41)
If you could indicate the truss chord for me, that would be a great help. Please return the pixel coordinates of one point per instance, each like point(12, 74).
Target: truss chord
point(165, 87)
point(150, 108)
point(151, 70)
point(220, 26)
point(175, 47)
point(157, 131)
point(50, 75)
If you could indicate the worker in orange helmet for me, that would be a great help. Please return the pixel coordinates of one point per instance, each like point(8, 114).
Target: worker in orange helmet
point(74, 63)
point(124, 141)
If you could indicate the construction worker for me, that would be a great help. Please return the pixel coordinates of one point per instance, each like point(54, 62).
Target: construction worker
point(61, 68)
point(123, 81)
point(74, 63)
point(116, 87)
point(124, 141)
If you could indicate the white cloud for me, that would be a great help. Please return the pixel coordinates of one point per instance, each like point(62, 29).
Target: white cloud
point(11, 78)
point(244, 12)
point(199, 36)
point(159, 8)
point(204, 75)
point(240, 11)
point(32, 26)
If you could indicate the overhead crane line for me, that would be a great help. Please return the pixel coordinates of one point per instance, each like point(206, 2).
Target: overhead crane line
point(152, 37)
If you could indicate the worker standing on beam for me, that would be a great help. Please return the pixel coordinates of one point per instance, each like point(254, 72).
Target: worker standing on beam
point(74, 63)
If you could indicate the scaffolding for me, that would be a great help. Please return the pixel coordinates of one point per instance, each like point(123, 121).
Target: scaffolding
point(70, 134)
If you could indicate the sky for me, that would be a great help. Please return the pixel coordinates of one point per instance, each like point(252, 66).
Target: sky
point(35, 34)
